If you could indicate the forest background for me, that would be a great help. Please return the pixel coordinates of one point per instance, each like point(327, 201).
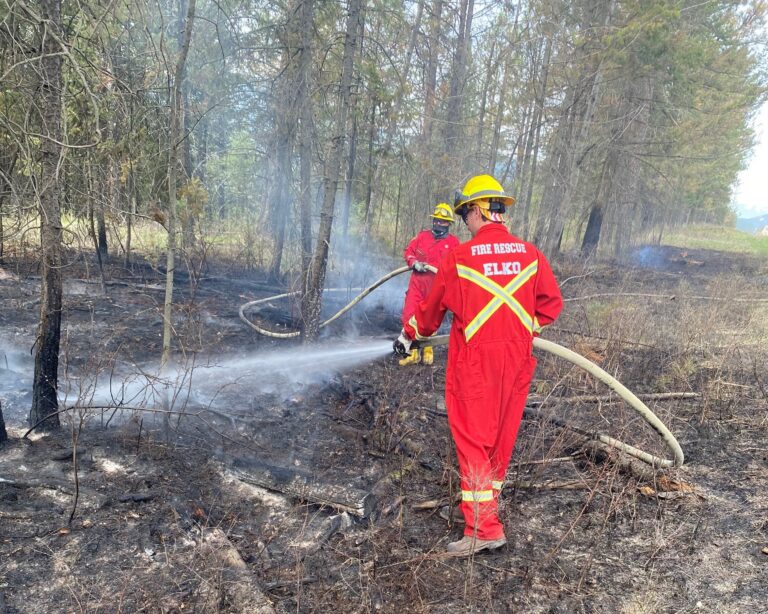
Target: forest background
point(281, 134)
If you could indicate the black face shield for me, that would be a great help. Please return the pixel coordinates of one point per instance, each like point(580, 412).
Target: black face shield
point(440, 228)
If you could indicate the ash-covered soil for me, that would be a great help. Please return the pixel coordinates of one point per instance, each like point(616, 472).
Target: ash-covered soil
point(169, 512)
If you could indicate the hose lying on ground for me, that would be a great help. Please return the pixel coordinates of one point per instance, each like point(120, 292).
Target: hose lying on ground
point(542, 344)
point(626, 394)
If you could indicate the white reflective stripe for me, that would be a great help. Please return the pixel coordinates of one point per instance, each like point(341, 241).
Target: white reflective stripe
point(501, 296)
point(478, 496)
point(412, 323)
point(496, 485)
point(536, 326)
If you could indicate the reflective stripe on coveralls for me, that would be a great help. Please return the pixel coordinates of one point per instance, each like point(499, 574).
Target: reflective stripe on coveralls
point(429, 250)
point(477, 495)
point(412, 323)
point(502, 296)
point(487, 377)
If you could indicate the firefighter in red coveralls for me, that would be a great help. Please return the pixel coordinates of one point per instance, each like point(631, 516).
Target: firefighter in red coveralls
point(501, 291)
point(427, 247)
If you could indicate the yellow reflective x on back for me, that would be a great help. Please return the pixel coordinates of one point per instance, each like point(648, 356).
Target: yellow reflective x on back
point(502, 296)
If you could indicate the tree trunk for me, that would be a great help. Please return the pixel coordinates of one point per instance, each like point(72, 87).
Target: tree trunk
point(396, 243)
point(173, 160)
point(595, 222)
point(101, 222)
point(131, 185)
point(5, 185)
point(499, 119)
point(453, 132)
point(92, 199)
point(45, 383)
point(518, 154)
point(538, 120)
point(305, 135)
point(369, 187)
point(98, 208)
point(312, 297)
point(346, 201)
point(3, 432)
point(489, 85)
point(132, 209)
point(430, 79)
point(528, 129)
point(592, 234)
point(188, 219)
point(285, 124)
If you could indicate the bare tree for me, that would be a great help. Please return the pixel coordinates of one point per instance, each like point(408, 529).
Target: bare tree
point(305, 136)
point(174, 142)
point(312, 296)
point(45, 383)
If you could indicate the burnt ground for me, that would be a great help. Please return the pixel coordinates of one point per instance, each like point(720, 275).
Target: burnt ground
point(163, 518)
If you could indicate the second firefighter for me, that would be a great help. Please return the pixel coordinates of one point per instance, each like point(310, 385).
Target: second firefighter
point(426, 248)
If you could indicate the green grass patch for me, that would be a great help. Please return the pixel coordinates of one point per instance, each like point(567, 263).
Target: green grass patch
point(719, 238)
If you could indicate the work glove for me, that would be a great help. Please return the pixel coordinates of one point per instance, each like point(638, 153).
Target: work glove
point(403, 344)
point(419, 267)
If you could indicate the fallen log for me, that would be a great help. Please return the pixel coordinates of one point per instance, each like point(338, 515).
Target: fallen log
point(66, 455)
point(318, 533)
point(305, 487)
point(601, 453)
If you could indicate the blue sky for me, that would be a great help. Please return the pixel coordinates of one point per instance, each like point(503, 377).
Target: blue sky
point(750, 198)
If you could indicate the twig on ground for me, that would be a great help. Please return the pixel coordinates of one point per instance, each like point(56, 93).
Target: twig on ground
point(651, 396)
point(393, 506)
point(670, 297)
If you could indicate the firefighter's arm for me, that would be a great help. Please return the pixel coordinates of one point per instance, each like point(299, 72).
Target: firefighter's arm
point(431, 311)
point(410, 251)
point(549, 301)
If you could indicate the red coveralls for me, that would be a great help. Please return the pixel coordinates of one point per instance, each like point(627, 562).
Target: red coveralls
point(501, 291)
point(423, 248)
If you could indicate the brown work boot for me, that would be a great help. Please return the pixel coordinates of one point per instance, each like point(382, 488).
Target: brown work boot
point(468, 545)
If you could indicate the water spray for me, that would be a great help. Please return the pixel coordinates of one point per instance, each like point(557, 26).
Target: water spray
point(280, 372)
point(548, 346)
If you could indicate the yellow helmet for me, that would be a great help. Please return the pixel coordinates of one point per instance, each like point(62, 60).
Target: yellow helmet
point(443, 211)
point(486, 188)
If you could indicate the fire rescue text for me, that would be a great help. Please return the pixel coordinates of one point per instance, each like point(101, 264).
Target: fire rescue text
point(498, 248)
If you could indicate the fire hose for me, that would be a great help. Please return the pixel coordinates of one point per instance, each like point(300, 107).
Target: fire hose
point(336, 316)
point(542, 344)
